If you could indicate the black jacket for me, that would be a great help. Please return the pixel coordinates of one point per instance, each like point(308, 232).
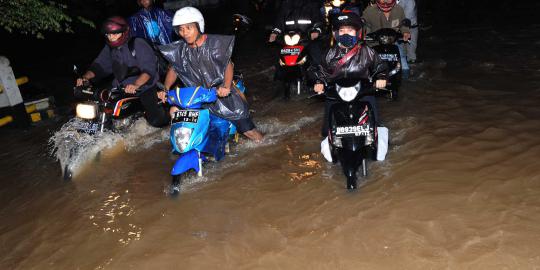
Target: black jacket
point(302, 15)
point(363, 66)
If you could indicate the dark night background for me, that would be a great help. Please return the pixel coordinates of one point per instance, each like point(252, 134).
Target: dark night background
point(48, 62)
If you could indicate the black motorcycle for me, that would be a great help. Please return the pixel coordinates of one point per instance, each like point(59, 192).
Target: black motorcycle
point(352, 132)
point(384, 41)
point(97, 112)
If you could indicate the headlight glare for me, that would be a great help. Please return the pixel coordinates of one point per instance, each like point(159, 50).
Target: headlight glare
point(86, 110)
point(182, 135)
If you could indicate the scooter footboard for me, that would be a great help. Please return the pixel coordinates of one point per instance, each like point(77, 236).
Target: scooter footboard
point(185, 162)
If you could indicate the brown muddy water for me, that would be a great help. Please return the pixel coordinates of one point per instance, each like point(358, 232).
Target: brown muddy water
point(460, 188)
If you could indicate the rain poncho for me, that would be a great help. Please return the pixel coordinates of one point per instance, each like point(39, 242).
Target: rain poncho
point(205, 66)
point(154, 25)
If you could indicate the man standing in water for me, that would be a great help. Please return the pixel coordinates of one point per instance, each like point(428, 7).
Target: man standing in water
point(204, 60)
point(409, 6)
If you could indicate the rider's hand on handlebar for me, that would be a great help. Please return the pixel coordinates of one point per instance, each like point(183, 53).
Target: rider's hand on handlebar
point(162, 95)
point(406, 36)
point(131, 88)
point(80, 82)
point(223, 91)
point(272, 37)
point(379, 84)
point(319, 88)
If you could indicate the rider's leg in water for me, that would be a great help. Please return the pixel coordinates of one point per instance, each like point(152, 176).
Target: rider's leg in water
point(156, 115)
point(247, 127)
point(405, 69)
point(327, 105)
point(411, 47)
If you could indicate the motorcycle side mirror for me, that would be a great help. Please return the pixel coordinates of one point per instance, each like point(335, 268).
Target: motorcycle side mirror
point(406, 22)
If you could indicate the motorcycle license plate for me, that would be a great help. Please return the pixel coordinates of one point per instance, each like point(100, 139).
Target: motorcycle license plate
point(188, 116)
point(389, 57)
point(352, 131)
point(87, 127)
point(291, 51)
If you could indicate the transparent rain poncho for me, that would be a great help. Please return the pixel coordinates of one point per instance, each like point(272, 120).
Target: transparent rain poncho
point(205, 66)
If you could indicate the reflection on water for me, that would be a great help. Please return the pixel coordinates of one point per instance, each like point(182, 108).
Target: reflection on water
point(109, 218)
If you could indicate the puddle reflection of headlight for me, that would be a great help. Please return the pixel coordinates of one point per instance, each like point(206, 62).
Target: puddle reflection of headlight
point(86, 110)
point(182, 136)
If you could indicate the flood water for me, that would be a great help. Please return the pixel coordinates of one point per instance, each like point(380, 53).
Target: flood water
point(460, 188)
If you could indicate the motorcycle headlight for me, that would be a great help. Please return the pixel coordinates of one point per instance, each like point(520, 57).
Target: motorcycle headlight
point(385, 39)
point(348, 93)
point(86, 110)
point(337, 3)
point(182, 136)
point(292, 40)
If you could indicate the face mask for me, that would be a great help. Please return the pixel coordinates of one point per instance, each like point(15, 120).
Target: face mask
point(347, 40)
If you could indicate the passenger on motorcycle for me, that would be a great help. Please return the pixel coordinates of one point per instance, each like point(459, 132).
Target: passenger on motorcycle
point(200, 59)
point(386, 14)
point(152, 23)
point(136, 72)
point(349, 59)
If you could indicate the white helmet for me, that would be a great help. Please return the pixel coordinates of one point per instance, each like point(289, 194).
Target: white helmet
point(188, 15)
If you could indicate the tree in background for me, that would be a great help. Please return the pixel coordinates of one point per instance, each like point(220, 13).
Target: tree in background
point(35, 17)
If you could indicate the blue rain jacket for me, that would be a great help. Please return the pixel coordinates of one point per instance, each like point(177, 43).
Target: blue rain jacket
point(154, 25)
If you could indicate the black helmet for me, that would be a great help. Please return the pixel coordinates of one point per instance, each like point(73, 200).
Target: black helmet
point(347, 19)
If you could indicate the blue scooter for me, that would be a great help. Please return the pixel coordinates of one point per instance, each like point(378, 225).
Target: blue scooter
point(195, 132)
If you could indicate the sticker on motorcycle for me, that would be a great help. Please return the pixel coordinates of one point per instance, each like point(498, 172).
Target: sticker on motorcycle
point(353, 130)
point(390, 57)
point(188, 116)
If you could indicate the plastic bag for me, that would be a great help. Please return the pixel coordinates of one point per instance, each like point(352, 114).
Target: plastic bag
point(325, 149)
point(205, 66)
point(382, 143)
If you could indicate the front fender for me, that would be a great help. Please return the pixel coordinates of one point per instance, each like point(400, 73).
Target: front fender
point(185, 162)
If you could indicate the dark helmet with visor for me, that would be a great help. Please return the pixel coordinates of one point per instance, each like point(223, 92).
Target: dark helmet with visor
point(116, 25)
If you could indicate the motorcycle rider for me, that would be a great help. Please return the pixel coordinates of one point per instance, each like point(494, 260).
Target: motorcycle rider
point(409, 6)
point(305, 16)
point(200, 59)
point(349, 60)
point(137, 72)
point(386, 14)
point(152, 23)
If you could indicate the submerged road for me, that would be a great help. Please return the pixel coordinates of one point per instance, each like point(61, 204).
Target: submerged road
point(460, 188)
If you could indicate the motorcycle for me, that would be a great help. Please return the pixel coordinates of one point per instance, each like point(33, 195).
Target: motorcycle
point(292, 59)
point(98, 111)
point(195, 132)
point(386, 40)
point(353, 135)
